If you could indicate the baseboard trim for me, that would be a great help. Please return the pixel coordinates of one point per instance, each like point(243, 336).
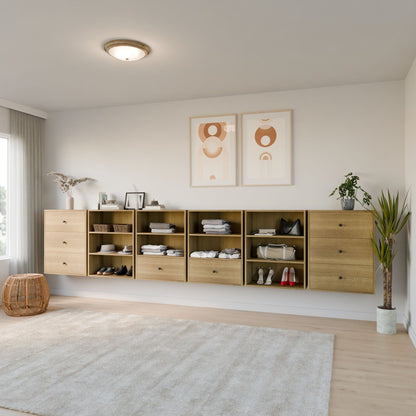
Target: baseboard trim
point(412, 334)
point(230, 304)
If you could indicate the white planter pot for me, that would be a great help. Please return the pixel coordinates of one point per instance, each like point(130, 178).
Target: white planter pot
point(386, 321)
point(69, 202)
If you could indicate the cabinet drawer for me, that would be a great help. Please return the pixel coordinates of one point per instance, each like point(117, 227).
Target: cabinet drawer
point(220, 271)
point(341, 251)
point(59, 242)
point(161, 268)
point(341, 224)
point(341, 278)
point(66, 220)
point(67, 263)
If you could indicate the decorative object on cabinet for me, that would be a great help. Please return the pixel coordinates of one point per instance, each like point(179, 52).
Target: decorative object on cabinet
point(214, 269)
point(25, 294)
point(341, 256)
point(255, 265)
point(160, 255)
point(102, 199)
point(266, 148)
point(105, 248)
point(348, 192)
point(134, 200)
point(65, 242)
point(154, 206)
point(213, 155)
point(390, 217)
point(66, 185)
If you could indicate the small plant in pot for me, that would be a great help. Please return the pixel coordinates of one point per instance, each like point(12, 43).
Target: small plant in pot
point(348, 192)
point(390, 217)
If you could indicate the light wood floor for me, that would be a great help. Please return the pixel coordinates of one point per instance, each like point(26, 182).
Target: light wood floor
point(373, 374)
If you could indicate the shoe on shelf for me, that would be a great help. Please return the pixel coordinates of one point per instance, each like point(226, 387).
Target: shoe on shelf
point(285, 277)
point(109, 271)
point(292, 277)
point(260, 280)
point(121, 271)
point(269, 279)
point(130, 272)
point(101, 271)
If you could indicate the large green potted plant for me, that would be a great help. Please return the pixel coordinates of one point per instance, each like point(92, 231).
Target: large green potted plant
point(391, 216)
point(348, 192)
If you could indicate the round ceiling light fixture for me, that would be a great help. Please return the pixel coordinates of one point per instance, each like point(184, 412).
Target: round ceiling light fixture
point(126, 49)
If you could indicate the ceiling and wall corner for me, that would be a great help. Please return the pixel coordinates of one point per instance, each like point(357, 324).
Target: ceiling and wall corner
point(410, 153)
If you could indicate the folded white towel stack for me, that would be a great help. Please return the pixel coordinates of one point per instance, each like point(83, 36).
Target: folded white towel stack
point(175, 252)
point(153, 249)
point(162, 227)
point(216, 226)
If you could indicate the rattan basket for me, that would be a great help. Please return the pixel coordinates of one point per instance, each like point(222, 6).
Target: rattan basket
point(103, 228)
point(25, 294)
point(122, 228)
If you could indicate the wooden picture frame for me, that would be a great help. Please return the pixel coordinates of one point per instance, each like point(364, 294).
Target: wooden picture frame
point(134, 200)
point(266, 148)
point(213, 150)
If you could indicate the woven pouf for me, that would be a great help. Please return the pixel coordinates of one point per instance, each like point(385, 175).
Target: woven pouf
point(25, 294)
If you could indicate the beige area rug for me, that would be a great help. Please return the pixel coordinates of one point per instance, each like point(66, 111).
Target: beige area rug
point(76, 363)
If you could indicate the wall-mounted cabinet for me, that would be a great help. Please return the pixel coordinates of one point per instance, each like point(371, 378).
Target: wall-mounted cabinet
point(341, 256)
point(110, 228)
point(256, 221)
point(155, 266)
point(215, 270)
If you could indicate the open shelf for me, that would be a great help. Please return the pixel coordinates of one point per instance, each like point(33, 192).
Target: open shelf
point(269, 219)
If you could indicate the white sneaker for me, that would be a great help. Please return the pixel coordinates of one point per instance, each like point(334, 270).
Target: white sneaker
point(269, 277)
point(260, 280)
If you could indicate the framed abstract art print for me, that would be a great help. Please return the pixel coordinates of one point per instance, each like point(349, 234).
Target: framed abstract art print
point(213, 150)
point(266, 148)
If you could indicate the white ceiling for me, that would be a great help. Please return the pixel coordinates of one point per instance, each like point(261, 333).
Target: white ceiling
point(51, 54)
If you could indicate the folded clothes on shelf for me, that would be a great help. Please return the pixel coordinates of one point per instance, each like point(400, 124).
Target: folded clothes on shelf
point(153, 249)
point(216, 226)
point(175, 252)
point(205, 254)
point(265, 231)
point(214, 222)
point(162, 227)
point(230, 253)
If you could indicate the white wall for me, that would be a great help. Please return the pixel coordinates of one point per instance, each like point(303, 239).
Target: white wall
point(410, 152)
point(145, 147)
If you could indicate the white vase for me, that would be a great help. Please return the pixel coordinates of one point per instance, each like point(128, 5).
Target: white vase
point(386, 321)
point(69, 203)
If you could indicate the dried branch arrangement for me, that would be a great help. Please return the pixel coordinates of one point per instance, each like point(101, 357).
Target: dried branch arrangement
point(67, 183)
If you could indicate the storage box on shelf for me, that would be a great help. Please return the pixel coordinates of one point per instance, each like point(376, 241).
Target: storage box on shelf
point(110, 227)
point(215, 270)
point(169, 268)
point(255, 220)
point(65, 233)
point(341, 256)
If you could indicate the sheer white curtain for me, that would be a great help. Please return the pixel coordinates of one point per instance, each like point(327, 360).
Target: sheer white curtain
point(25, 170)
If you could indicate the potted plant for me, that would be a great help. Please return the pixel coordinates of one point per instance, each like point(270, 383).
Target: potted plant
point(390, 217)
point(348, 192)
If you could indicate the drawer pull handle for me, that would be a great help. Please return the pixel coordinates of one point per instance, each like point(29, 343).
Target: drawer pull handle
point(340, 277)
point(159, 268)
point(340, 251)
point(340, 225)
point(64, 263)
point(64, 221)
point(64, 242)
point(214, 271)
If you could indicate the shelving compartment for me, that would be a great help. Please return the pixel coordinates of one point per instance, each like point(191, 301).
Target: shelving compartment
point(256, 220)
point(98, 259)
point(167, 268)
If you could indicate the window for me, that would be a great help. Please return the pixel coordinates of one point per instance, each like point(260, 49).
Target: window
point(3, 196)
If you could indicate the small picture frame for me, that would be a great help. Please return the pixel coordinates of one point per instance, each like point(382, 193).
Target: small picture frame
point(102, 199)
point(134, 200)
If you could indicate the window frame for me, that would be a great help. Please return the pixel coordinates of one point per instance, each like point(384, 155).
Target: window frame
point(7, 255)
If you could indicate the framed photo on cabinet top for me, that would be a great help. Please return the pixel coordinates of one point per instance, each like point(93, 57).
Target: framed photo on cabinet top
point(213, 153)
point(266, 148)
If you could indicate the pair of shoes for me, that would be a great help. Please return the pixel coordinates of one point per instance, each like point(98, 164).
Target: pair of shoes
point(106, 271)
point(288, 277)
point(269, 278)
point(121, 271)
point(130, 272)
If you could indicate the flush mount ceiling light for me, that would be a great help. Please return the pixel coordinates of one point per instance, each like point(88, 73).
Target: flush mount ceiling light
point(126, 49)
